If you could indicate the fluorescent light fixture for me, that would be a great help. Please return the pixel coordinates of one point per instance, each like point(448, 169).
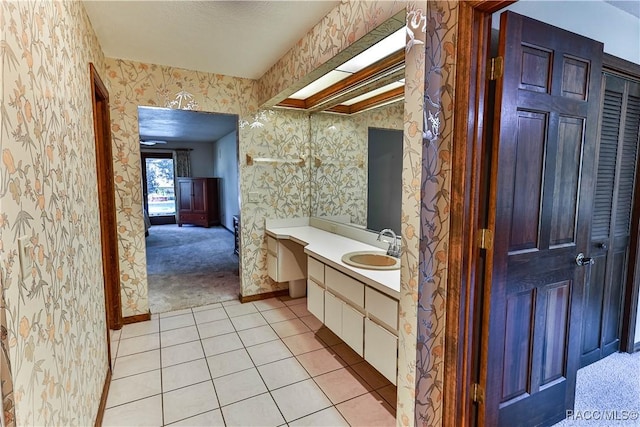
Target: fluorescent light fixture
point(382, 49)
point(373, 93)
point(322, 83)
point(375, 53)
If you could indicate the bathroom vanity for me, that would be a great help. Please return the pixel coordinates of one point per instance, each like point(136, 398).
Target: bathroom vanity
point(359, 305)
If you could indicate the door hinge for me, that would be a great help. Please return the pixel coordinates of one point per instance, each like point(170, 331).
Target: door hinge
point(477, 393)
point(485, 238)
point(495, 68)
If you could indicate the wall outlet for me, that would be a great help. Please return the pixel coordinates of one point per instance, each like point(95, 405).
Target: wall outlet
point(254, 197)
point(24, 256)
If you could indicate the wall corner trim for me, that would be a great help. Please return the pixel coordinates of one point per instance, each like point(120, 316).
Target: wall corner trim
point(103, 399)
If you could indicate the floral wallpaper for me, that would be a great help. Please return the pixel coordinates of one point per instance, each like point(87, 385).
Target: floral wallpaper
point(340, 143)
point(441, 27)
point(281, 194)
point(317, 52)
point(283, 189)
point(136, 84)
point(410, 222)
point(53, 332)
point(6, 378)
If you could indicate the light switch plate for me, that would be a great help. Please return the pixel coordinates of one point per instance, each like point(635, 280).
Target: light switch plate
point(254, 197)
point(126, 201)
point(24, 255)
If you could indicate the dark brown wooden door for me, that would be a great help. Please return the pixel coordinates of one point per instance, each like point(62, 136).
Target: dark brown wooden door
point(610, 232)
point(199, 196)
point(541, 201)
point(185, 196)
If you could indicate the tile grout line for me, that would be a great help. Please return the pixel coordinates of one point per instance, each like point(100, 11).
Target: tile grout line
point(314, 378)
point(245, 347)
point(160, 356)
point(138, 373)
point(206, 360)
point(295, 356)
point(373, 389)
point(189, 385)
point(318, 385)
point(260, 375)
point(258, 371)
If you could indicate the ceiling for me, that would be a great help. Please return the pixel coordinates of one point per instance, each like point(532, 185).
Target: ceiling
point(205, 36)
point(208, 36)
point(629, 6)
point(234, 38)
point(164, 124)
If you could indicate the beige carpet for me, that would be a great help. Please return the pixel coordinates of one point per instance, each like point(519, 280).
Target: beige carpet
point(190, 266)
point(608, 393)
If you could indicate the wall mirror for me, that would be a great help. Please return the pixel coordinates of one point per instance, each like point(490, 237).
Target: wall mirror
point(356, 167)
point(356, 129)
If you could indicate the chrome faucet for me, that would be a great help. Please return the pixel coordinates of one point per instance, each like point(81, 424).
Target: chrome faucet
point(394, 248)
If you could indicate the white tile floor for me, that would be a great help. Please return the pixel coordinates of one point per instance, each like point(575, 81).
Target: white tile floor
point(267, 363)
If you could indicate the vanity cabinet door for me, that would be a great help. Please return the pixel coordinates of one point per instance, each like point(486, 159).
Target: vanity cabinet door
point(353, 328)
point(315, 299)
point(381, 349)
point(333, 313)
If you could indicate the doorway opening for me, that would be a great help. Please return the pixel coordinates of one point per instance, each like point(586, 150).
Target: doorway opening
point(473, 307)
point(106, 202)
point(189, 166)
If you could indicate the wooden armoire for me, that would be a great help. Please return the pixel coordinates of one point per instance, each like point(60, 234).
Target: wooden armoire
point(198, 201)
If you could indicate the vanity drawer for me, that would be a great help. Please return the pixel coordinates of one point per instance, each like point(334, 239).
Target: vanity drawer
point(272, 245)
point(349, 288)
point(382, 307)
point(315, 300)
point(315, 269)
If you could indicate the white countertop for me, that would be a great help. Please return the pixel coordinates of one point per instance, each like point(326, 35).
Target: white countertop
point(329, 248)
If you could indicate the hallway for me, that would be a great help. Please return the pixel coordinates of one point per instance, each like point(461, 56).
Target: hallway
point(264, 363)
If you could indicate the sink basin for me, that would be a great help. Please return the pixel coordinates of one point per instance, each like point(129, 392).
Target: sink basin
point(371, 260)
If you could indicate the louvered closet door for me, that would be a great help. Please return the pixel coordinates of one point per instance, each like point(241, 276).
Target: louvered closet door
point(618, 153)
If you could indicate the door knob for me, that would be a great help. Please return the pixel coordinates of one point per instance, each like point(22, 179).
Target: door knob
point(603, 245)
point(582, 260)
